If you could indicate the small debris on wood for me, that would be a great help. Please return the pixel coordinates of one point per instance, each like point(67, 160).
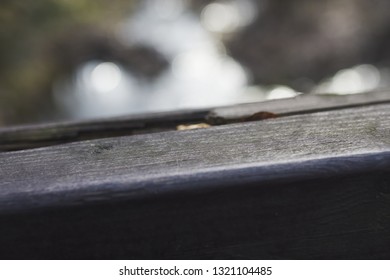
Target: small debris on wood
point(192, 126)
point(259, 116)
point(214, 119)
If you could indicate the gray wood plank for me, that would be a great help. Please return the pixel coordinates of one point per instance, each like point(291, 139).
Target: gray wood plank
point(302, 104)
point(306, 186)
point(31, 136)
point(130, 164)
point(41, 135)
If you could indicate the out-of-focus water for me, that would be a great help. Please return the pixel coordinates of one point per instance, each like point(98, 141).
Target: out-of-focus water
point(200, 72)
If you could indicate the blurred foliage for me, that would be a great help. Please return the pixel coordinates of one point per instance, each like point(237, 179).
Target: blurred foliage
point(28, 29)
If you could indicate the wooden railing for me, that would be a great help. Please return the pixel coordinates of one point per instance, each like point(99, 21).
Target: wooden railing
point(303, 178)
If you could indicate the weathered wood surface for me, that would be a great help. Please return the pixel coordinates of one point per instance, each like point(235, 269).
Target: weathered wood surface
point(32, 136)
point(302, 104)
point(305, 186)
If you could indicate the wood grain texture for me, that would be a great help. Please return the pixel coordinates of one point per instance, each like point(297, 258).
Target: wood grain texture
point(32, 136)
point(306, 186)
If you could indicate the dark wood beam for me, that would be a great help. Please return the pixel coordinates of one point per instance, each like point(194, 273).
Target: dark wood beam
point(304, 186)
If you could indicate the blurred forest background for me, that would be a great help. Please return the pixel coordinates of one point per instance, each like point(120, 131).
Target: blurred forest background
point(80, 59)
